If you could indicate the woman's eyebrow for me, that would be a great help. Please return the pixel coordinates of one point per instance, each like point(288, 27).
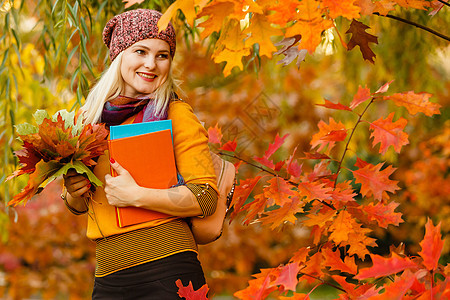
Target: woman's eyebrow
point(148, 48)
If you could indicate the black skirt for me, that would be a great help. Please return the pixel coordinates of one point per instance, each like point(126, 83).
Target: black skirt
point(153, 280)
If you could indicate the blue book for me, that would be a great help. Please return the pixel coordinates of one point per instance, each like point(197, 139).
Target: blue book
point(127, 130)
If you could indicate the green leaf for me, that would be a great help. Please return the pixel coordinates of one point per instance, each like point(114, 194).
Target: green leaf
point(25, 129)
point(83, 169)
point(40, 115)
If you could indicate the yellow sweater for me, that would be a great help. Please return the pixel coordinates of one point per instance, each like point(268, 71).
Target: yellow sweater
point(159, 238)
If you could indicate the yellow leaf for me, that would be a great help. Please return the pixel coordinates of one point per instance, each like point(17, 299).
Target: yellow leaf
point(233, 59)
point(186, 6)
point(231, 37)
point(217, 12)
point(261, 31)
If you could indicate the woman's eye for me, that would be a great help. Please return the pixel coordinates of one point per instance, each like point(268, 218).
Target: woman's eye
point(140, 51)
point(163, 56)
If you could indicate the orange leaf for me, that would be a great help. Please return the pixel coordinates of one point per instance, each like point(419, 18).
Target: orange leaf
point(341, 227)
point(284, 12)
point(342, 8)
point(361, 96)
point(217, 11)
point(384, 6)
point(314, 190)
point(215, 134)
point(241, 193)
point(362, 39)
point(320, 218)
point(285, 213)
point(309, 24)
point(375, 182)
point(415, 103)
point(255, 208)
point(417, 4)
point(186, 6)
point(188, 291)
point(383, 214)
point(258, 288)
point(385, 266)
point(389, 133)
point(260, 32)
point(278, 190)
point(326, 134)
point(398, 288)
point(334, 261)
point(432, 245)
point(313, 267)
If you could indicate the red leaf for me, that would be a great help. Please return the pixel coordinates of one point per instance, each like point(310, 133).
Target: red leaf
point(188, 291)
point(384, 214)
point(375, 182)
point(284, 214)
point(293, 167)
point(361, 96)
point(279, 165)
point(229, 146)
point(215, 134)
point(241, 193)
point(315, 155)
point(270, 151)
point(278, 190)
point(432, 245)
point(362, 39)
point(398, 288)
point(385, 266)
point(288, 276)
point(415, 103)
point(389, 133)
point(338, 106)
point(360, 163)
point(384, 87)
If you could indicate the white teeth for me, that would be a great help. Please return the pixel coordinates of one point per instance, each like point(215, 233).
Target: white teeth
point(147, 76)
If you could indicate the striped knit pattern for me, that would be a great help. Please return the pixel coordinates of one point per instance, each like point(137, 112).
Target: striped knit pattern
point(206, 197)
point(137, 247)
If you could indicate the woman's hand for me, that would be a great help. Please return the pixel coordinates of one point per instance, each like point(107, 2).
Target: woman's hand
point(121, 190)
point(76, 184)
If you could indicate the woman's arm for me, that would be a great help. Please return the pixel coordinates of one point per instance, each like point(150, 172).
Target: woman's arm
point(123, 190)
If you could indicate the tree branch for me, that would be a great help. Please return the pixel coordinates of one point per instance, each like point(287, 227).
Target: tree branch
point(416, 25)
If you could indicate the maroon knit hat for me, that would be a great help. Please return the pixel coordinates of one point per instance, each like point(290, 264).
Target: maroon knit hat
point(129, 27)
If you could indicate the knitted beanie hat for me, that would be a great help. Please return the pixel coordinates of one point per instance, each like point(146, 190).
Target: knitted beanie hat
point(129, 27)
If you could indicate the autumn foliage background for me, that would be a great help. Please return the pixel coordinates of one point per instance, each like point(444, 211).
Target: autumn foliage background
point(290, 114)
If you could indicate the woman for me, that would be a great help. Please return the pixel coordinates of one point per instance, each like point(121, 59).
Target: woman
point(143, 261)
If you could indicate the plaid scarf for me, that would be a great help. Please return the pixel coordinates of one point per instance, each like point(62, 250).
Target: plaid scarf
point(116, 111)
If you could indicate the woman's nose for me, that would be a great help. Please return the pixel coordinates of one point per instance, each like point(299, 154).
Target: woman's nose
point(150, 62)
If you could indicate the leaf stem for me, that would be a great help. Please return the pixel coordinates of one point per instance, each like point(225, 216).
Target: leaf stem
point(349, 139)
point(416, 25)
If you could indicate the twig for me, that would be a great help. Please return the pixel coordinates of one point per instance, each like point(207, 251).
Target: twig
point(416, 25)
point(348, 141)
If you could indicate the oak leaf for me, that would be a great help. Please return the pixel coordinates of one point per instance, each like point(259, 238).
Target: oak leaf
point(273, 147)
point(293, 167)
point(278, 190)
point(189, 293)
point(314, 191)
point(285, 213)
point(385, 266)
point(258, 288)
point(362, 39)
point(415, 103)
point(256, 207)
point(389, 133)
point(341, 8)
point(358, 241)
point(320, 218)
point(362, 95)
point(259, 32)
point(328, 134)
point(341, 227)
point(309, 25)
point(218, 11)
point(284, 12)
point(417, 4)
point(383, 214)
point(287, 277)
point(186, 6)
point(432, 245)
point(313, 268)
point(352, 290)
point(376, 182)
point(384, 6)
point(229, 146)
point(398, 288)
point(338, 106)
point(334, 261)
point(241, 193)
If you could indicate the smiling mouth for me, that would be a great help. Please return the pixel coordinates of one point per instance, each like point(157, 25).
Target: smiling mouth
point(147, 76)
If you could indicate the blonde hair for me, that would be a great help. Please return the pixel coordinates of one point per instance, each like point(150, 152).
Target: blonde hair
point(111, 85)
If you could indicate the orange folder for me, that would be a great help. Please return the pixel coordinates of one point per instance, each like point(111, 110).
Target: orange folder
point(149, 158)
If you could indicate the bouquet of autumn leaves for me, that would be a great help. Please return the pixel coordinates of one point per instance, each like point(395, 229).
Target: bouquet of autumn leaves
point(59, 143)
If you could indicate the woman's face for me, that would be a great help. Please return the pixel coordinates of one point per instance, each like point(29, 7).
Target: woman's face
point(145, 66)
